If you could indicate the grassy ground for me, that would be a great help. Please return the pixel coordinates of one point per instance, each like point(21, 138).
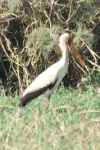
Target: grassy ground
point(72, 122)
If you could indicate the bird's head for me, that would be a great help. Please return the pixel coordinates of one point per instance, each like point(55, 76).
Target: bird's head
point(64, 39)
point(67, 39)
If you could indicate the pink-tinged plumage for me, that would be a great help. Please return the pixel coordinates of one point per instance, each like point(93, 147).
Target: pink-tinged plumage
point(49, 80)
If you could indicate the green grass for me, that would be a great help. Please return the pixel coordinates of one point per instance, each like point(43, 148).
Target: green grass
point(72, 122)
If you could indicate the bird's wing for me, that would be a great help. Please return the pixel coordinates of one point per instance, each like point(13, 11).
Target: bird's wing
point(45, 79)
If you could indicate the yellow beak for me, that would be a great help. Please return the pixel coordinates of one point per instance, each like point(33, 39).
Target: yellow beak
point(72, 46)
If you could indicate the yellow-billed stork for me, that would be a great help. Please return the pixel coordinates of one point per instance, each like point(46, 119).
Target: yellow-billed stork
point(49, 80)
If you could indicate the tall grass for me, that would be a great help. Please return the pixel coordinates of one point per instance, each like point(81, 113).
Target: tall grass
point(72, 121)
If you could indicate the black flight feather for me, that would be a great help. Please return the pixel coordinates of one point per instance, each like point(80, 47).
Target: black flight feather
point(29, 96)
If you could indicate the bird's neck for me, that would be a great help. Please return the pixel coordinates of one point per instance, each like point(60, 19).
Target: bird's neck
point(65, 54)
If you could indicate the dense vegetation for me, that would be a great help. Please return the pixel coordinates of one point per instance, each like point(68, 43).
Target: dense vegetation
point(29, 34)
point(29, 43)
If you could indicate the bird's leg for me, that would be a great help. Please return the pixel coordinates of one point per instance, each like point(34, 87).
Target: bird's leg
point(46, 103)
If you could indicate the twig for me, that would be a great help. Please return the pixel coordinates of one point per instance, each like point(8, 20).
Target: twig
point(89, 111)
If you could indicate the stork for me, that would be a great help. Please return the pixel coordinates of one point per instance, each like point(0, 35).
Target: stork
point(50, 79)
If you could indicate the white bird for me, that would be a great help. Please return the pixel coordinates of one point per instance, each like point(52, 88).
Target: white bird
point(49, 80)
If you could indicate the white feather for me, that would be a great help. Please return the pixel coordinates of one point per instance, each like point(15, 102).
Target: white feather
point(56, 71)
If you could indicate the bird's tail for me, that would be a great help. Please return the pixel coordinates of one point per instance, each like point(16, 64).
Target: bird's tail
point(29, 96)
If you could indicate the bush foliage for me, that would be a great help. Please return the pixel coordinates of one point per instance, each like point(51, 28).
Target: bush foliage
point(29, 37)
